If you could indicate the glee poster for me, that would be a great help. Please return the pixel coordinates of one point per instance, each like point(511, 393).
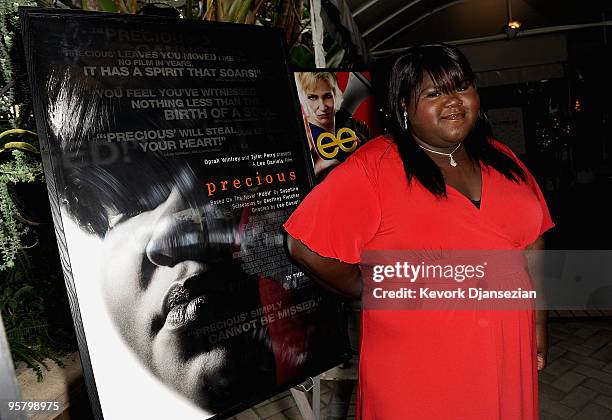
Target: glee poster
point(339, 114)
point(173, 151)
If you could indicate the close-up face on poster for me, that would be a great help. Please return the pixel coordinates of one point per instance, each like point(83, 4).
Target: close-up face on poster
point(339, 114)
point(174, 156)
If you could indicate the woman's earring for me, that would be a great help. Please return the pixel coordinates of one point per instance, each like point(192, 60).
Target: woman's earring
point(405, 119)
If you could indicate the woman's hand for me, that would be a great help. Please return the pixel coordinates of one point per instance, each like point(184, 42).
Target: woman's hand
point(535, 269)
point(542, 338)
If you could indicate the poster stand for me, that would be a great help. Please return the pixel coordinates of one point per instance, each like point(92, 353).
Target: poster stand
point(307, 411)
point(338, 373)
point(199, 127)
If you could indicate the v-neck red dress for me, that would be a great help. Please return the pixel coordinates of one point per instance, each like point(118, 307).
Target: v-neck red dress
point(447, 364)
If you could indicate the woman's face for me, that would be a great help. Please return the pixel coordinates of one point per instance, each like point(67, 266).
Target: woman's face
point(443, 119)
point(320, 102)
point(166, 296)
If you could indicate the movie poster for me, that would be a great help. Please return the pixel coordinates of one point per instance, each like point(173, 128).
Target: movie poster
point(173, 152)
point(339, 114)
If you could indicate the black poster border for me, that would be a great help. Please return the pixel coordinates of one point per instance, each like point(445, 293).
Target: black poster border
point(25, 15)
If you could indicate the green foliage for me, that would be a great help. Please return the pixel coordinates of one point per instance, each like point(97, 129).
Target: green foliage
point(335, 56)
point(31, 303)
point(27, 327)
point(9, 44)
point(108, 6)
point(22, 168)
point(302, 57)
point(301, 52)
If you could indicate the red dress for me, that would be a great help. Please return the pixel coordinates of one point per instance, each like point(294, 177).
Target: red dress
point(462, 364)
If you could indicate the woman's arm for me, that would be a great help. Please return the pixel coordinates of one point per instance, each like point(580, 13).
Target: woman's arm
point(334, 275)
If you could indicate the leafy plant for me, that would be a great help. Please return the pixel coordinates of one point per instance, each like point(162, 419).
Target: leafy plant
point(13, 81)
point(23, 311)
point(33, 306)
point(21, 168)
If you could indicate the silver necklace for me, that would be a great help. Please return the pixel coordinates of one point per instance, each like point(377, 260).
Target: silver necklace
point(452, 160)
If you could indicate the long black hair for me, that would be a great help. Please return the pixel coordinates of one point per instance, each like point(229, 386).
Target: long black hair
point(449, 70)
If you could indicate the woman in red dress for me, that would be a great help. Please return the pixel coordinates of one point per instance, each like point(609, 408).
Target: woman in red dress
point(439, 183)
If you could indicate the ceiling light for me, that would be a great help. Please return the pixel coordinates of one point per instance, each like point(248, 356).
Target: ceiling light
point(514, 24)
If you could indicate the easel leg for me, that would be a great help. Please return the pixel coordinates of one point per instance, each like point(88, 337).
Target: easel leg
point(316, 397)
point(302, 404)
point(301, 400)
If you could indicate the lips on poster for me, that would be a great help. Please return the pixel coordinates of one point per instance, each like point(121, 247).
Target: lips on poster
point(173, 152)
point(339, 114)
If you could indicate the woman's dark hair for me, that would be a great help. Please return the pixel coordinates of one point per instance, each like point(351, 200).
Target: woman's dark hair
point(449, 70)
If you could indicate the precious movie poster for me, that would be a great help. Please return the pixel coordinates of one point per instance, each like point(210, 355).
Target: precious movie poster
point(173, 151)
point(339, 113)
